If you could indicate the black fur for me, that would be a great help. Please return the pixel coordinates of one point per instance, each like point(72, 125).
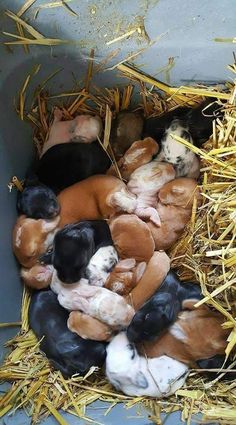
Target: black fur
point(216, 362)
point(65, 350)
point(74, 246)
point(67, 163)
point(162, 309)
point(199, 125)
point(37, 201)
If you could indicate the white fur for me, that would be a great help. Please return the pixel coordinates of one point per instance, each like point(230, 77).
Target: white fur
point(177, 332)
point(135, 375)
point(18, 237)
point(49, 239)
point(99, 303)
point(101, 264)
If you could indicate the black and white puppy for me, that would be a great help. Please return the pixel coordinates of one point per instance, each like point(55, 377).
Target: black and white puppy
point(37, 201)
point(68, 163)
point(158, 313)
point(83, 250)
point(65, 350)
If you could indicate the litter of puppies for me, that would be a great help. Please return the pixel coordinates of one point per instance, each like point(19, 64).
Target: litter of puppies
point(126, 303)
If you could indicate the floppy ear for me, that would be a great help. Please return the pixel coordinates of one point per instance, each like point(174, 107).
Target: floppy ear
point(125, 265)
point(140, 380)
point(140, 269)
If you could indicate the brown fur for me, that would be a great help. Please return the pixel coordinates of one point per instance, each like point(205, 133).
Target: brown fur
point(125, 129)
point(203, 336)
point(175, 209)
point(132, 237)
point(88, 327)
point(155, 273)
point(125, 276)
point(30, 238)
point(140, 152)
point(97, 197)
point(38, 277)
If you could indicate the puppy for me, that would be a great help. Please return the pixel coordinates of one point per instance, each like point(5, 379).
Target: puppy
point(162, 309)
point(125, 129)
point(125, 276)
point(145, 182)
point(175, 201)
point(185, 162)
point(140, 153)
point(197, 334)
point(87, 327)
point(132, 237)
point(38, 277)
point(135, 375)
point(75, 245)
point(31, 238)
point(100, 303)
point(68, 163)
point(65, 350)
point(83, 128)
point(38, 201)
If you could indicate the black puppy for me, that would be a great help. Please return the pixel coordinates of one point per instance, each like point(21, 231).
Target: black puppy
point(67, 163)
point(199, 124)
point(65, 350)
point(37, 201)
point(216, 362)
point(162, 309)
point(75, 245)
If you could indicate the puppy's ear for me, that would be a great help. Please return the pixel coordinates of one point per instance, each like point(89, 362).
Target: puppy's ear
point(178, 190)
point(140, 271)
point(141, 380)
point(125, 265)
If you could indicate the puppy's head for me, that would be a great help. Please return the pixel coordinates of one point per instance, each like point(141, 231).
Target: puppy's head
point(38, 202)
point(73, 248)
point(179, 192)
point(154, 317)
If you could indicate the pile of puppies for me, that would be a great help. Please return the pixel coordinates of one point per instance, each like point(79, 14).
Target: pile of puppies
point(93, 248)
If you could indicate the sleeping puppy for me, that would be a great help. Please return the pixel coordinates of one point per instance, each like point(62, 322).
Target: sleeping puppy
point(135, 375)
point(65, 350)
point(162, 309)
point(37, 201)
point(75, 245)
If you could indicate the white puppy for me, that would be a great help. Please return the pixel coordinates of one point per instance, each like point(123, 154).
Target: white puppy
point(135, 375)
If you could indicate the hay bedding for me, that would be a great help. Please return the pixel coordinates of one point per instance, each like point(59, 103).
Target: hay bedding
point(205, 252)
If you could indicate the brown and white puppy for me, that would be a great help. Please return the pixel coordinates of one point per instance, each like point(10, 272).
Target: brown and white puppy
point(175, 201)
point(153, 276)
point(97, 197)
point(145, 182)
point(140, 153)
point(125, 129)
point(197, 334)
point(37, 277)
point(125, 276)
point(87, 327)
point(83, 129)
point(31, 238)
point(132, 237)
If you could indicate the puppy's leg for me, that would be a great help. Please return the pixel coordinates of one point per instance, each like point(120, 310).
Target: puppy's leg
point(123, 201)
point(148, 213)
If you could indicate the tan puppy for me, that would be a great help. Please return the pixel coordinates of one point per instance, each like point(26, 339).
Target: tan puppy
point(132, 237)
point(140, 153)
point(88, 327)
point(196, 335)
point(145, 182)
point(152, 278)
point(174, 208)
point(31, 238)
point(38, 277)
point(97, 197)
point(83, 129)
point(125, 276)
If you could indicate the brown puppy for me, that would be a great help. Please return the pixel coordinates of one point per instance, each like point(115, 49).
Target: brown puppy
point(38, 277)
point(140, 153)
point(174, 208)
point(196, 335)
point(125, 129)
point(97, 197)
point(125, 276)
point(132, 237)
point(152, 278)
point(88, 327)
point(31, 238)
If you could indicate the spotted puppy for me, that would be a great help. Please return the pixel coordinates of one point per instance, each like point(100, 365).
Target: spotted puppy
point(185, 162)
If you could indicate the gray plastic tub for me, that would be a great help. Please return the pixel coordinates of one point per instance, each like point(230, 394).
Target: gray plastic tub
point(188, 29)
